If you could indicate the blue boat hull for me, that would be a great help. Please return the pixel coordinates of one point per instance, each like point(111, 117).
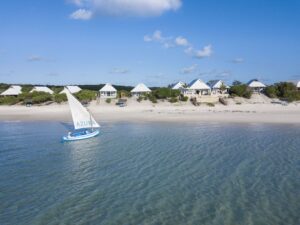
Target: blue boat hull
point(81, 135)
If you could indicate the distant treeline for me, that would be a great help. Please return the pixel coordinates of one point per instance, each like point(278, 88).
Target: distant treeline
point(92, 87)
point(97, 87)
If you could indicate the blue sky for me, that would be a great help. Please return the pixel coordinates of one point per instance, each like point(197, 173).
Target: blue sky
point(157, 42)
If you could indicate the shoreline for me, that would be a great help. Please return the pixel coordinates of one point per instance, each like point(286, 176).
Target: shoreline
point(161, 112)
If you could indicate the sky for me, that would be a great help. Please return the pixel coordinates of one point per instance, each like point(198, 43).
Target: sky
point(157, 42)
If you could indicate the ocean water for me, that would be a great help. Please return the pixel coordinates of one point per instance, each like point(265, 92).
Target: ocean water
point(150, 173)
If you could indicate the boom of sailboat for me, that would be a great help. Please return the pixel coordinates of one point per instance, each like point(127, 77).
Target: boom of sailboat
point(85, 126)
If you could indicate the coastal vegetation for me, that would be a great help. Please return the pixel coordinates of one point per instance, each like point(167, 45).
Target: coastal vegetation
point(9, 100)
point(286, 91)
point(165, 93)
point(152, 98)
point(173, 100)
point(123, 93)
point(33, 98)
point(3, 87)
point(238, 89)
point(161, 94)
point(86, 95)
point(59, 98)
point(183, 98)
point(57, 89)
point(26, 88)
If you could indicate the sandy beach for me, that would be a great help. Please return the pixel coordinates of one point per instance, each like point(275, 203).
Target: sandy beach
point(246, 112)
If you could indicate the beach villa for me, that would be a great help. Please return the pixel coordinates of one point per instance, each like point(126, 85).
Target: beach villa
point(178, 86)
point(13, 90)
point(218, 87)
point(196, 88)
point(71, 89)
point(108, 91)
point(139, 90)
point(42, 89)
point(256, 86)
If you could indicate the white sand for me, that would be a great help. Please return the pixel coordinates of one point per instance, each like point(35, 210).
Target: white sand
point(253, 111)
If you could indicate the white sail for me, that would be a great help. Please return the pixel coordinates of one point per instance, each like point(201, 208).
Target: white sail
point(81, 117)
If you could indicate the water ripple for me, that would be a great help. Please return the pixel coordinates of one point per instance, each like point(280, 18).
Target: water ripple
point(150, 174)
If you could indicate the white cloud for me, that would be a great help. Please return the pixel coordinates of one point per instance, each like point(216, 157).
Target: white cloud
point(166, 42)
point(205, 52)
point(156, 36)
point(190, 69)
point(81, 14)
point(141, 8)
point(180, 41)
point(119, 71)
point(169, 42)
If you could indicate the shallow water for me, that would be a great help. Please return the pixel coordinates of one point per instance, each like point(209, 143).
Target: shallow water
point(150, 174)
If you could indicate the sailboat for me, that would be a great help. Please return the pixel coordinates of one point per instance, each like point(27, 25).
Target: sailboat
point(85, 125)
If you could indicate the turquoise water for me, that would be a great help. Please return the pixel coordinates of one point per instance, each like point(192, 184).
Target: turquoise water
point(150, 174)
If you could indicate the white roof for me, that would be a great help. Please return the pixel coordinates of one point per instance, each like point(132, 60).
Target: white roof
point(179, 85)
point(140, 88)
point(108, 88)
point(12, 90)
point(42, 89)
point(256, 84)
point(217, 84)
point(198, 85)
point(71, 89)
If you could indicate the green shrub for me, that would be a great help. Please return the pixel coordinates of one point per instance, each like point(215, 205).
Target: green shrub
point(240, 90)
point(284, 90)
point(123, 93)
point(8, 100)
point(3, 87)
point(41, 97)
point(86, 95)
point(140, 98)
point(152, 98)
point(37, 97)
point(271, 91)
point(173, 100)
point(108, 100)
point(164, 93)
point(59, 98)
point(184, 98)
point(57, 89)
point(210, 104)
point(26, 88)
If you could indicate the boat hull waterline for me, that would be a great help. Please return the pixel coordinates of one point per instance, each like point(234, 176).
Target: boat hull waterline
point(78, 137)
